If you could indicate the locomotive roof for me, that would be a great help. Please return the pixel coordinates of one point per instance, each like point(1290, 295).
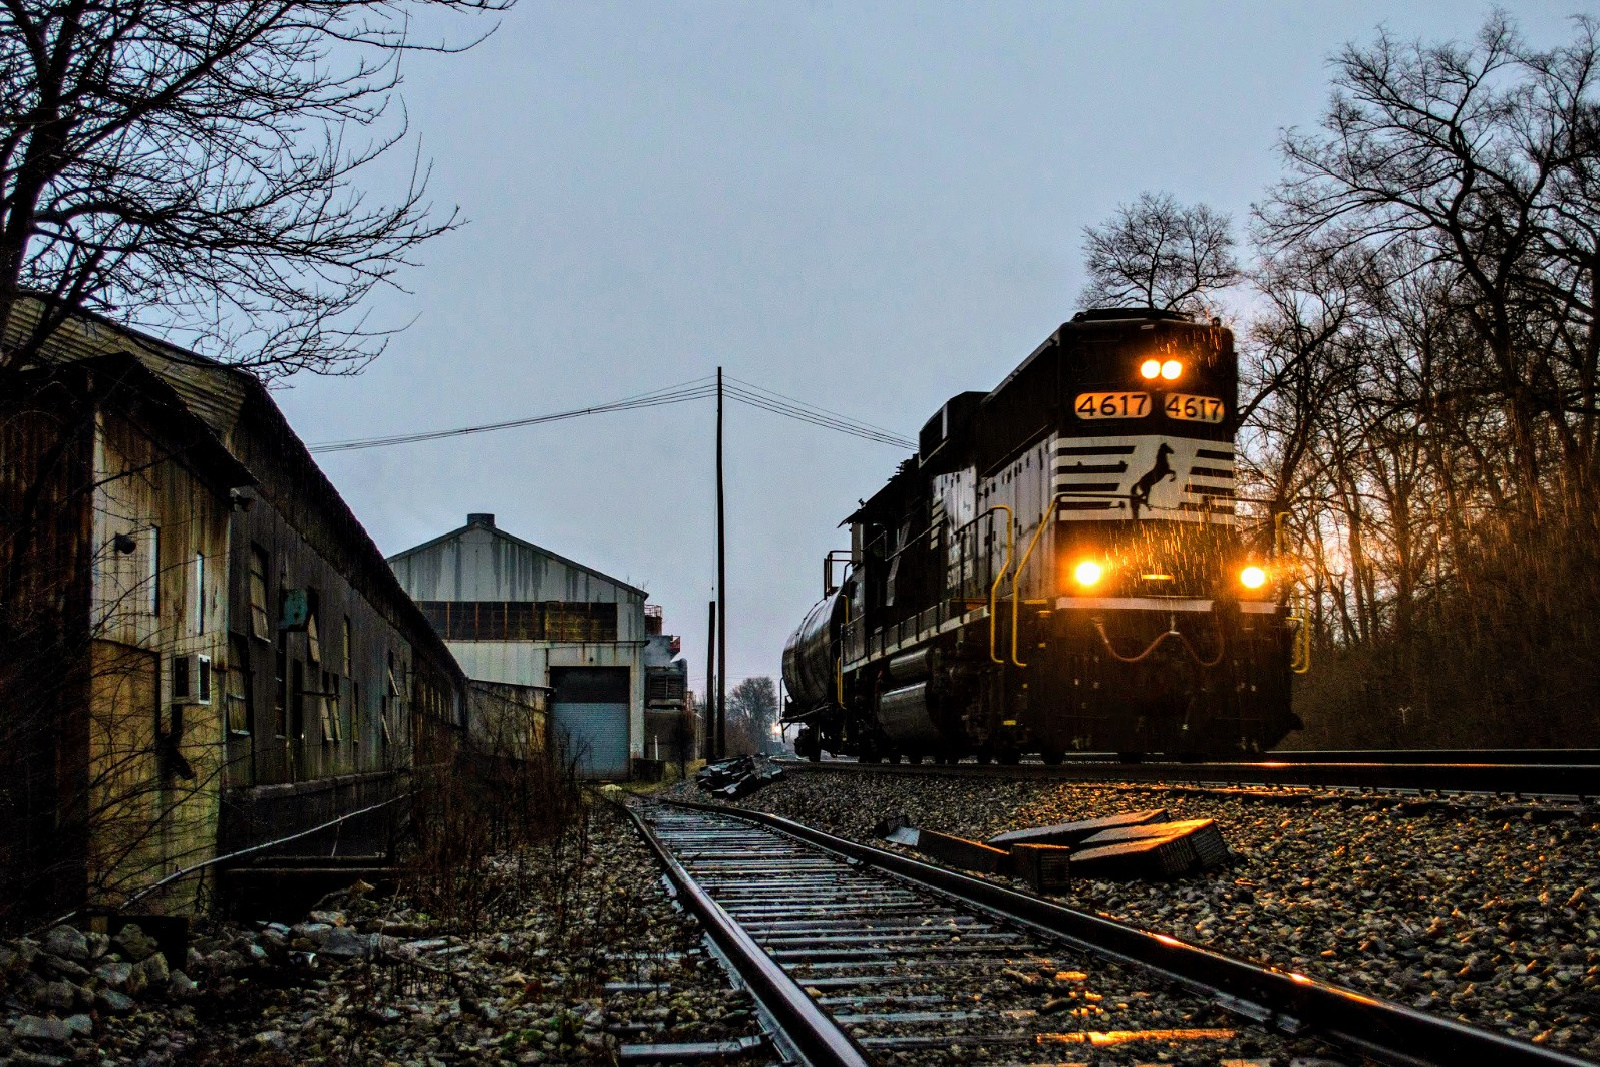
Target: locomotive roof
point(888, 500)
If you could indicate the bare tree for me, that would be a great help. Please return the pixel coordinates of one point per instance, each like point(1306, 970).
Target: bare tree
point(1483, 159)
point(752, 711)
point(199, 168)
point(1158, 253)
point(202, 170)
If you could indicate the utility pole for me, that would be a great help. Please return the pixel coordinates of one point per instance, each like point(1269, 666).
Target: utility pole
point(722, 593)
point(710, 743)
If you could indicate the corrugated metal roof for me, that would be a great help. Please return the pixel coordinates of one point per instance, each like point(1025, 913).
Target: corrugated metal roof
point(444, 539)
point(232, 402)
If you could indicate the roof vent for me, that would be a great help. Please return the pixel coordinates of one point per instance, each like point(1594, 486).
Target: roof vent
point(480, 518)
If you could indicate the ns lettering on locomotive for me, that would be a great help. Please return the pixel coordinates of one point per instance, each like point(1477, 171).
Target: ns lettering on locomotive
point(1059, 568)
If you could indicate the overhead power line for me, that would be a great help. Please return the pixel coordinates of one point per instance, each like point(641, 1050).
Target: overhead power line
point(744, 392)
point(672, 394)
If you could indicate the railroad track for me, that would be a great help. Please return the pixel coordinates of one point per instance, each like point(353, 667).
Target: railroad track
point(859, 955)
point(1551, 773)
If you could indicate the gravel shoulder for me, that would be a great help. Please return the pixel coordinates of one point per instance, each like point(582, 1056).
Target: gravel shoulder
point(1487, 919)
point(577, 966)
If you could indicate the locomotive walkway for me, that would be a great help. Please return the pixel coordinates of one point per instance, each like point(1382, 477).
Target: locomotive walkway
point(855, 952)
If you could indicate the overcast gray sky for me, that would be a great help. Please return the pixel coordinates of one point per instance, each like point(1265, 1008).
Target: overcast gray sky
point(867, 206)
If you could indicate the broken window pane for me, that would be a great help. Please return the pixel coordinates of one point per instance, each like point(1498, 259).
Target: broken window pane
point(239, 686)
point(313, 640)
point(260, 624)
point(328, 707)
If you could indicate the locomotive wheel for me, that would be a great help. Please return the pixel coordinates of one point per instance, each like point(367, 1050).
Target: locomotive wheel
point(1052, 757)
point(1130, 757)
point(914, 759)
point(1009, 759)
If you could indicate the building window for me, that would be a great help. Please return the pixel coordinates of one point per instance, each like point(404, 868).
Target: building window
point(313, 639)
point(199, 593)
point(329, 704)
point(345, 656)
point(260, 623)
point(297, 701)
point(579, 623)
point(391, 704)
point(240, 686)
point(354, 732)
point(522, 620)
point(152, 568)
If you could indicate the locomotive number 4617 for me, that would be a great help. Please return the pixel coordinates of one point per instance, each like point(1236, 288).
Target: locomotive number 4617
point(1112, 405)
point(1185, 406)
point(1193, 408)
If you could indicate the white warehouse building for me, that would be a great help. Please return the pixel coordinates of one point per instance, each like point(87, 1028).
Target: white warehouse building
point(514, 613)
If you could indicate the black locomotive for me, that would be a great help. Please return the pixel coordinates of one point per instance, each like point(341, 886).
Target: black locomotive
point(1059, 568)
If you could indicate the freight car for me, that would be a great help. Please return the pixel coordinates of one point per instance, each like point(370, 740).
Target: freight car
point(1059, 568)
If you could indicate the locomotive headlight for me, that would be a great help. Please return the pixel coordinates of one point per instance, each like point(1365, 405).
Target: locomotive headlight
point(1252, 577)
point(1150, 368)
point(1169, 370)
point(1087, 573)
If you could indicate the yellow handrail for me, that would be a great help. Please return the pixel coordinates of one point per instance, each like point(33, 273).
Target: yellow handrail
point(1016, 575)
point(1299, 603)
point(994, 590)
point(1300, 644)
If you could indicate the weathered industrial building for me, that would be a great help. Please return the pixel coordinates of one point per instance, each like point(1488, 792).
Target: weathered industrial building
point(517, 614)
point(203, 648)
point(669, 724)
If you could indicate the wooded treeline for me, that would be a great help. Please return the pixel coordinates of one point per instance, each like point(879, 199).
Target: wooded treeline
point(1419, 373)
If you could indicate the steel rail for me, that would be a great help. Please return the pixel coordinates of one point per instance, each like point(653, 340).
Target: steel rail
point(815, 1036)
point(1289, 1002)
point(1576, 779)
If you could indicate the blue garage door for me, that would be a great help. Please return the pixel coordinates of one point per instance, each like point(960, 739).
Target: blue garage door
point(589, 712)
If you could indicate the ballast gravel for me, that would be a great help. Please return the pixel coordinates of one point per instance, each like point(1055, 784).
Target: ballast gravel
point(562, 977)
point(1463, 912)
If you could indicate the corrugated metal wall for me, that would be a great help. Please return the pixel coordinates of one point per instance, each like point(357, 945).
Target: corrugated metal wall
point(481, 562)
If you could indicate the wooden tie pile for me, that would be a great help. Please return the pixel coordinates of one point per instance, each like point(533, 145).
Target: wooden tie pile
point(1135, 844)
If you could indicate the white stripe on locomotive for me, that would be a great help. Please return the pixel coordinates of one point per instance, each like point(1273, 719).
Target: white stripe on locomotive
point(1105, 477)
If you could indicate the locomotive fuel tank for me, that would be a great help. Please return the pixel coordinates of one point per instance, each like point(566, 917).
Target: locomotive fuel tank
point(811, 656)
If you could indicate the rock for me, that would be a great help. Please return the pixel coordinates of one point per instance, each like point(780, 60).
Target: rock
point(345, 944)
point(314, 933)
point(35, 1028)
point(329, 918)
point(60, 996)
point(36, 1059)
point(27, 951)
point(10, 959)
point(114, 975)
point(98, 944)
point(67, 942)
point(258, 954)
point(63, 968)
point(271, 1039)
point(112, 1002)
point(180, 986)
point(155, 970)
point(133, 944)
point(79, 1025)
